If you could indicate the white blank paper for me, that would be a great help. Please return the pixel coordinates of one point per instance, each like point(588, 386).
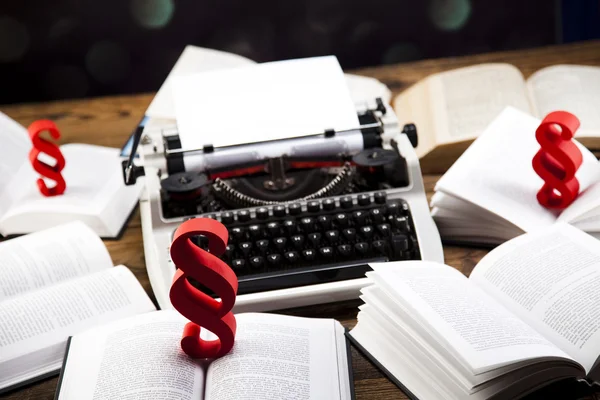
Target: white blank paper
point(262, 102)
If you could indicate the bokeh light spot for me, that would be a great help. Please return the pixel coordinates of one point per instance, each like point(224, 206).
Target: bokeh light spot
point(108, 62)
point(14, 39)
point(449, 15)
point(152, 14)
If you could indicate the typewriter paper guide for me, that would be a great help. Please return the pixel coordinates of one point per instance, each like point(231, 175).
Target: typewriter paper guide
point(263, 102)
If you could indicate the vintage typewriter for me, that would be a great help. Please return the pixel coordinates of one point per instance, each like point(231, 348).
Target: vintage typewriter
point(305, 215)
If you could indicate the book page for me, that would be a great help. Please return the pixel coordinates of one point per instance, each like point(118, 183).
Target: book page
point(468, 99)
point(279, 357)
point(550, 278)
point(270, 101)
point(478, 332)
point(47, 257)
point(93, 176)
point(35, 326)
point(495, 172)
point(134, 358)
point(14, 153)
point(572, 88)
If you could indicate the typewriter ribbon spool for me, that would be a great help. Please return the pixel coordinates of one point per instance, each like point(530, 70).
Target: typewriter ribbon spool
point(206, 268)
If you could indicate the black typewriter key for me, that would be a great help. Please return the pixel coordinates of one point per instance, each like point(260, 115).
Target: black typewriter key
point(344, 250)
point(262, 213)
point(256, 262)
point(238, 264)
point(200, 241)
point(380, 197)
point(274, 258)
point(262, 245)
point(229, 251)
point(280, 242)
point(273, 228)
point(289, 226)
point(362, 247)
point(366, 232)
point(328, 204)
point(393, 208)
point(376, 215)
point(297, 241)
point(295, 208)
point(401, 223)
point(227, 218)
point(291, 256)
point(309, 254)
point(346, 202)
point(326, 252)
point(359, 217)
point(255, 231)
point(244, 216)
point(324, 221)
point(399, 244)
point(349, 234)
point(315, 239)
point(279, 211)
point(384, 229)
point(332, 236)
point(380, 247)
point(341, 220)
point(313, 206)
point(364, 199)
point(307, 224)
point(404, 208)
point(246, 247)
point(238, 233)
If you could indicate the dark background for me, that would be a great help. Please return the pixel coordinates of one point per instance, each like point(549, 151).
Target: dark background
point(81, 48)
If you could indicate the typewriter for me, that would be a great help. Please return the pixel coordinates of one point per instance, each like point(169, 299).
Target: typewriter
point(305, 215)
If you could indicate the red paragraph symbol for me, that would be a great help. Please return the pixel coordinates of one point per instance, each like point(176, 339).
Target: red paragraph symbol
point(41, 145)
point(558, 160)
point(211, 272)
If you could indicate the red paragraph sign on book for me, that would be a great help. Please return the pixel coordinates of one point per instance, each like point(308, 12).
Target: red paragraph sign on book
point(558, 160)
point(41, 145)
point(206, 268)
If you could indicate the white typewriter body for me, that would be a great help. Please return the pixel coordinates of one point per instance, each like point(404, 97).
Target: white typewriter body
point(157, 231)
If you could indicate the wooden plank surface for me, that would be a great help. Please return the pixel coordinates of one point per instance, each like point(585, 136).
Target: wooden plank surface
point(109, 121)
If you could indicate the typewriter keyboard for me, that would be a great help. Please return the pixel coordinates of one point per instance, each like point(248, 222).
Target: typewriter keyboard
point(327, 240)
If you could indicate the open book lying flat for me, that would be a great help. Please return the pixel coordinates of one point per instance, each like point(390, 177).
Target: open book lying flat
point(489, 195)
point(453, 108)
point(274, 357)
point(526, 317)
point(95, 194)
point(53, 284)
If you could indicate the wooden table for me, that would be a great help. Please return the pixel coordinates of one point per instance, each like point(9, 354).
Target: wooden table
point(109, 121)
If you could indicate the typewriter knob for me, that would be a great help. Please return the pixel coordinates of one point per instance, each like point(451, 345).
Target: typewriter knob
point(410, 130)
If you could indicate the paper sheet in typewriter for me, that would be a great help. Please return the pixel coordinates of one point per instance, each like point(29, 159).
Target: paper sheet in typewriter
point(263, 102)
point(195, 59)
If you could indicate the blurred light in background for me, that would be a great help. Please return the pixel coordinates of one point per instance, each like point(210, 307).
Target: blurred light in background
point(449, 15)
point(152, 14)
point(14, 39)
point(108, 62)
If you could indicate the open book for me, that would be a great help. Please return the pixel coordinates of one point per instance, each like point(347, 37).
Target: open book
point(53, 284)
point(274, 357)
point(95, 191)
point(489, 194)
point(527, 316)
point(452, 108)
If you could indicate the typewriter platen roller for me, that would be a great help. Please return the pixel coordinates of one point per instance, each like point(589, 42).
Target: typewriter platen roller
point(305, 215)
